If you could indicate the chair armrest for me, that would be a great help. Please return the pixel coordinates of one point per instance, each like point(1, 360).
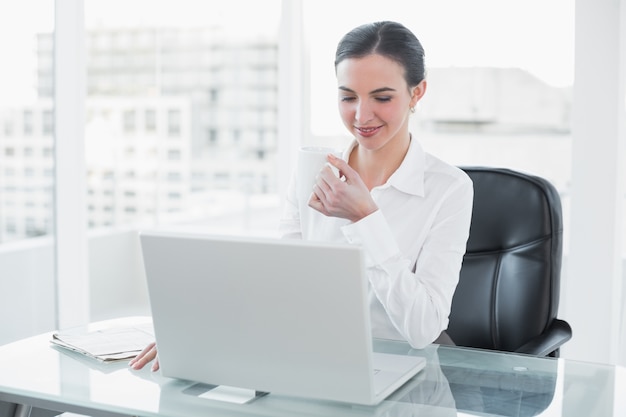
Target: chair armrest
point(550, 340)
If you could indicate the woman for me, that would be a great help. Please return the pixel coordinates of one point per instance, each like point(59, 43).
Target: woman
point(409, 211)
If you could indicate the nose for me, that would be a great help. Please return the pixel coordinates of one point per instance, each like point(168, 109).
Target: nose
point(363, 112)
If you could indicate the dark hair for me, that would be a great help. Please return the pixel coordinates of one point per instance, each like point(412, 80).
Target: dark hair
point(389, 39)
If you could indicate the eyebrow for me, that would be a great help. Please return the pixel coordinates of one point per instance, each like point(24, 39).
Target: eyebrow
point(378, 90)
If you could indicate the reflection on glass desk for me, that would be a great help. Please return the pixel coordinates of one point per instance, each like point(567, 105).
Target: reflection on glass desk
point(456, 382)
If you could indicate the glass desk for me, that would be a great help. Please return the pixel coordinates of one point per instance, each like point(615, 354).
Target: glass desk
point(456, 382)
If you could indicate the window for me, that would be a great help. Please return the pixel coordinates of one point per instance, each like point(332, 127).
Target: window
point(30, 226)
point(8, 128)
point(213, 136)
point(129, 121)
point(27, 122)
point(213, 95)
point(11, 226)
point(173, 123)
point(173, 154)
point(150, 120)
point(190, 83)
point(47, 123)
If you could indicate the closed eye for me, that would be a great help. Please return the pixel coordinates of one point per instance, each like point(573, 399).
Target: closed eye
point(348, 98)
point(383, 99)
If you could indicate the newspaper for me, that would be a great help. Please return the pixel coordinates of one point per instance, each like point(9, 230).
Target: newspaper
point(114, 343)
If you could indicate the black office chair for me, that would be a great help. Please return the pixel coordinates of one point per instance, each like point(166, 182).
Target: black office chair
point(508, 293)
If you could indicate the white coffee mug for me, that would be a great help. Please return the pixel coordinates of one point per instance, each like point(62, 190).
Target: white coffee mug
point(311, 160)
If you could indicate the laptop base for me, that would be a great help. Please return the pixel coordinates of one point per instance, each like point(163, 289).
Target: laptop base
point(233, 395)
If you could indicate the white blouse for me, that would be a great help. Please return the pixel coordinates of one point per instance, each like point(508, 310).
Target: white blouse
point(414, 243)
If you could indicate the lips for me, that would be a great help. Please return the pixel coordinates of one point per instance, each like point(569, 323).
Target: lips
point(368, 131)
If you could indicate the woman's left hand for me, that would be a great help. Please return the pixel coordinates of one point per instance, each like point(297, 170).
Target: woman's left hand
point(345, 197)
point(149, 353)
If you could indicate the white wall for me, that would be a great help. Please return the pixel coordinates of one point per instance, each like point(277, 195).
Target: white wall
point(27, 292)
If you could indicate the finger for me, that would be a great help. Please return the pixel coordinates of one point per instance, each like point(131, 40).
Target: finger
point(343, 167)
point(324, 182)
point(316, 204)
point(319, 194)
point(313, 199)
point(155, 365)
point(149, 356)
point(142, 353)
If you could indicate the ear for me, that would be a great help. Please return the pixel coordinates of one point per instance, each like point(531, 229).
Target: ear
point(418, 92)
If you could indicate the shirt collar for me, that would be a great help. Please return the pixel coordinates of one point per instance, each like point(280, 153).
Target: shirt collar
point(409, 177)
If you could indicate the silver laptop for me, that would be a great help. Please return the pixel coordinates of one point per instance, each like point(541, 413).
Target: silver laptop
point(286, 317)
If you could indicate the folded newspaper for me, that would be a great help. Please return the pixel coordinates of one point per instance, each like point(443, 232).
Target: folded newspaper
point(115, 343)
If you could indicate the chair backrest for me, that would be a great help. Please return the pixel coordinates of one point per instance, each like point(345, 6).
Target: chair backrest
point(508, 291)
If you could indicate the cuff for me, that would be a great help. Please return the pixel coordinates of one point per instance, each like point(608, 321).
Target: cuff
point(375, 236)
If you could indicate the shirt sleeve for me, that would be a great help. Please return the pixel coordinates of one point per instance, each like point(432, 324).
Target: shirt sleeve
point(418, 299)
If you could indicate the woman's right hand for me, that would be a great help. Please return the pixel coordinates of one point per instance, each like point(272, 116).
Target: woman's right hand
point(149, 353)
point(345, 197)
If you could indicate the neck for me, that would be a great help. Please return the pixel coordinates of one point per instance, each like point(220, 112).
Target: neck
point(376, 166)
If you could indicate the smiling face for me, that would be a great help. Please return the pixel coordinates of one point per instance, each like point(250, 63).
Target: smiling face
point(375, 100)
